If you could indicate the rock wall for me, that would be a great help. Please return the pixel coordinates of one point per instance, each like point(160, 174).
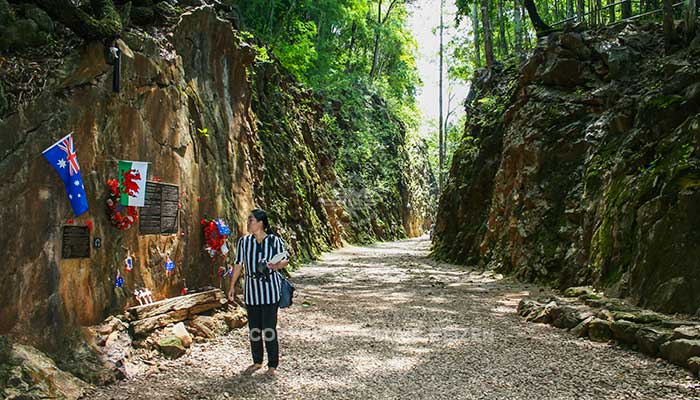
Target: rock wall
point(585, 169)
point(198, 106)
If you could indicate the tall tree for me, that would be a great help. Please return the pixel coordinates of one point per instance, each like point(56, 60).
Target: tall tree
point(518, 29)
point(626, 9)
point(488, 34)
point(691, 19)
point(569, 8)
point(540, 26)
point(477, 40)
point(377, 37)
point(353, 36)
point(611, 10)
point(441, 144)
point(580, 9)
point(669, 28)
point(502, 38)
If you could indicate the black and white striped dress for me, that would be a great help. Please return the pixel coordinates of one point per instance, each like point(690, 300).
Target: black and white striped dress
point(259, 291)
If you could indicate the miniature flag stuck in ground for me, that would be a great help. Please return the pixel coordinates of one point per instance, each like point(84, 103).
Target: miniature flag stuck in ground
point(63, 158)
point(132, 182)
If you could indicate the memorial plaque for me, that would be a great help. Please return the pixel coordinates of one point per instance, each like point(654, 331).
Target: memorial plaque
point(159, 215)
point(76, 242)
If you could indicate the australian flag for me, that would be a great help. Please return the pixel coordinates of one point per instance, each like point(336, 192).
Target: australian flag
point(63, 158)
point(222, 227)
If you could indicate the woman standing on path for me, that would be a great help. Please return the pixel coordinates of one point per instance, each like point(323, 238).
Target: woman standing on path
point(262, 288)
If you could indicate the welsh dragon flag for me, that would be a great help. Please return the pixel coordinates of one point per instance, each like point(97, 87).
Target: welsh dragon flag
point(132, 182)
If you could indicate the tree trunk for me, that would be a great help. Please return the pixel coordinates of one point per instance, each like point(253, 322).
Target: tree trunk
point(375, 56)
point(488, 35)
point(580, 10)
point(651, 5)
point(669, 29)
point(599, 12)
point(627, 9)
point(611, 11)
point(104, 25)
point(272, 16)
point(380, 23)
point(569, 8)
point(502, 39)
point(353, 32)
point(527, 43)
point(540, 26)
point(518, 29)
point(691, 19)
point(477, 40)
point(440, 128)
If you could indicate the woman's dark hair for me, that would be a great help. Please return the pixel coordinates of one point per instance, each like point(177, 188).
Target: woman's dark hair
point(261, 215)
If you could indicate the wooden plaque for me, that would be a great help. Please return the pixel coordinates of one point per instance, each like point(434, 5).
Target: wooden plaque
point(159, 215)
point(76, 242)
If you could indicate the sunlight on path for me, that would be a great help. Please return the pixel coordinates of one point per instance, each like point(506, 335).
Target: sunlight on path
point(387, 322)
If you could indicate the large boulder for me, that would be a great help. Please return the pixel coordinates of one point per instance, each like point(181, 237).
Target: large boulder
point(543, 315)
point(171, 347)
point(207, 327)
point(567, 317)
point(581, 330)
point(526, 306)
point(31, 374)
point(98, 354)
point(563, 72)
point(181, 333)
point(624, 331)
point(650, 339)
point(686, 332)
point(234, 319)
point(576, 291)
point(680, 351)
point(694, 365)
point(599, 330)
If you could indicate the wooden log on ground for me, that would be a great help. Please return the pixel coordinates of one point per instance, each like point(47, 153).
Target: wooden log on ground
point(148, 317)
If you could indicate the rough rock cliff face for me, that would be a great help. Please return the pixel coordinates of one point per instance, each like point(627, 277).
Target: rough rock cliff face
point(198, 77)
point(585, 169)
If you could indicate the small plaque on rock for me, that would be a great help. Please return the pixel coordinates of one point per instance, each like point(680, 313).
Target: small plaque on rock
point(76, 242)
point(159, 215)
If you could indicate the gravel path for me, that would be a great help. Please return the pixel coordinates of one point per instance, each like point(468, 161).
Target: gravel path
point(387, 322)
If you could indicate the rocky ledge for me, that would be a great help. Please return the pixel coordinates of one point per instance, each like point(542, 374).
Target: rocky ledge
point(588, 314)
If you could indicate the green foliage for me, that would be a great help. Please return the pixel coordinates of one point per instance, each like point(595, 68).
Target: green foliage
point(329, 45)
point(507, 30)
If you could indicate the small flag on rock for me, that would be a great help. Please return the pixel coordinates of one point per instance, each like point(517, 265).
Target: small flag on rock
point(169, 265)
point(222, 227)
point(120, 281)
point(64, 160)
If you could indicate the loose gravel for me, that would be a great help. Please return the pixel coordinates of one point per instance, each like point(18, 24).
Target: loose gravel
point(387, 322)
